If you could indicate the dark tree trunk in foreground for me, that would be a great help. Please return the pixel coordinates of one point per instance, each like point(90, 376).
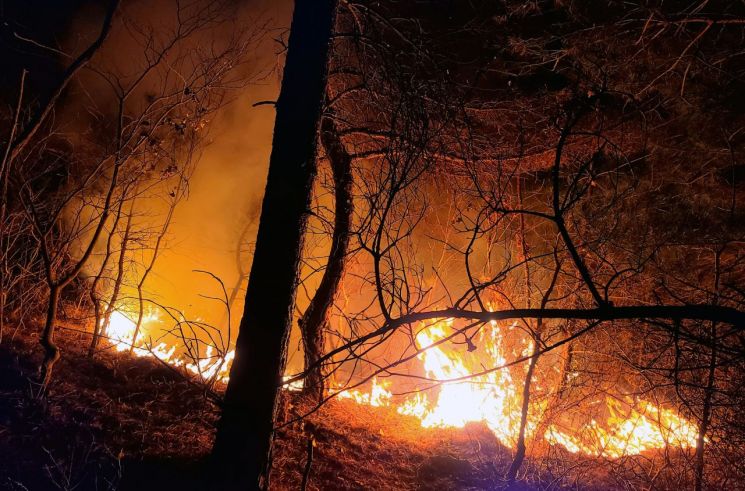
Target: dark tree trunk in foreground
point(314, 320)
point(243, 444)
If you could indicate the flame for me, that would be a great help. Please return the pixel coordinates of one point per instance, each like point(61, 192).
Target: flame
point(628, 432)
point(210, 367)
point(121, 331)
point(378, 396)
point(492, 398)
point(495, 399)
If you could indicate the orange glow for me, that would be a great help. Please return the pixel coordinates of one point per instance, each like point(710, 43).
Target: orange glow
point(377, 396)
point(490, 398)
point(493, 398)
point(120, 333)
point(628, 432)
point(209, 367)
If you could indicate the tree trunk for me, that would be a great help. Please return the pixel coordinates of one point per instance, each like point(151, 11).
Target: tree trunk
point(556, 398)
point(520, 447)
point(148, 270)
point(15, 147)
point(314, 320)
point(99, 322)
point(117, 285)
point(703, 426)
point(51, 350)
point(707, 409)
point(242, 449)
point(242, 273)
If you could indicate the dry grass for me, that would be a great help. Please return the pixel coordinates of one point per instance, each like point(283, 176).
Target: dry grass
point(101, 418)
point(361, 447)
point(125, 423)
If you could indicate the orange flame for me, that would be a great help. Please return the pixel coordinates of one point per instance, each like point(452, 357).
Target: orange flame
point(495, 399)
point(120, 333)
point(212, 366)
point(492, 398)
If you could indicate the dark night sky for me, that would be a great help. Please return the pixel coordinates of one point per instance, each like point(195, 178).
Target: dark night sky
point(43, 21)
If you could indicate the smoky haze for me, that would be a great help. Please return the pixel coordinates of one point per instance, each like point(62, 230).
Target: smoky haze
point(214, 226)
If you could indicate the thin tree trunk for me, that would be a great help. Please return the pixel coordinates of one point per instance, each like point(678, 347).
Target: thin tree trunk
point(517, 460)
point(47, 108)
point(315, 319)
point(242, 274)
point(149, 268)
point(703, 427)
point(557, 396)
point(6, 162)
point(707, 409)
point(4, 180)
point(520, 448)
point(95, 299)
point(51, 349)
point(117, 284)
point(242, 450)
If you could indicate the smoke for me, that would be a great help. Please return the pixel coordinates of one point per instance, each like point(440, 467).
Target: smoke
point(214, 226)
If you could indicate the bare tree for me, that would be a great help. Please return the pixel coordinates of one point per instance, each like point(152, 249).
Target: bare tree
point(314, 321)
point(243, 444)
point(547, 117)
point(137, 148)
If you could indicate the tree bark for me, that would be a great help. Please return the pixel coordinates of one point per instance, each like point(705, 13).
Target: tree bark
point(111, 306)
point(242, 449)
point(520, 448)
point(51, 350)
point(315, 319)
point(703, 426)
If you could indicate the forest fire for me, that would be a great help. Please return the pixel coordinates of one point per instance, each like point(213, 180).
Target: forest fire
point(207, 367)
point(493, 398)
point(629, 431)
point(630, 428)
point(523, 218)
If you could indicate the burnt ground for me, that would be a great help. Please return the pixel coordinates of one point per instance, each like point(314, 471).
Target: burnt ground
point(119, 422)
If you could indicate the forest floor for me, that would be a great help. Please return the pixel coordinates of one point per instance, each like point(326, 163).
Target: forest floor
point(120, 422)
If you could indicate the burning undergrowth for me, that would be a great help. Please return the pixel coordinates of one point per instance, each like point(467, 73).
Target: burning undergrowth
point(472, 385)
point(481, 385)
point(129, 422)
